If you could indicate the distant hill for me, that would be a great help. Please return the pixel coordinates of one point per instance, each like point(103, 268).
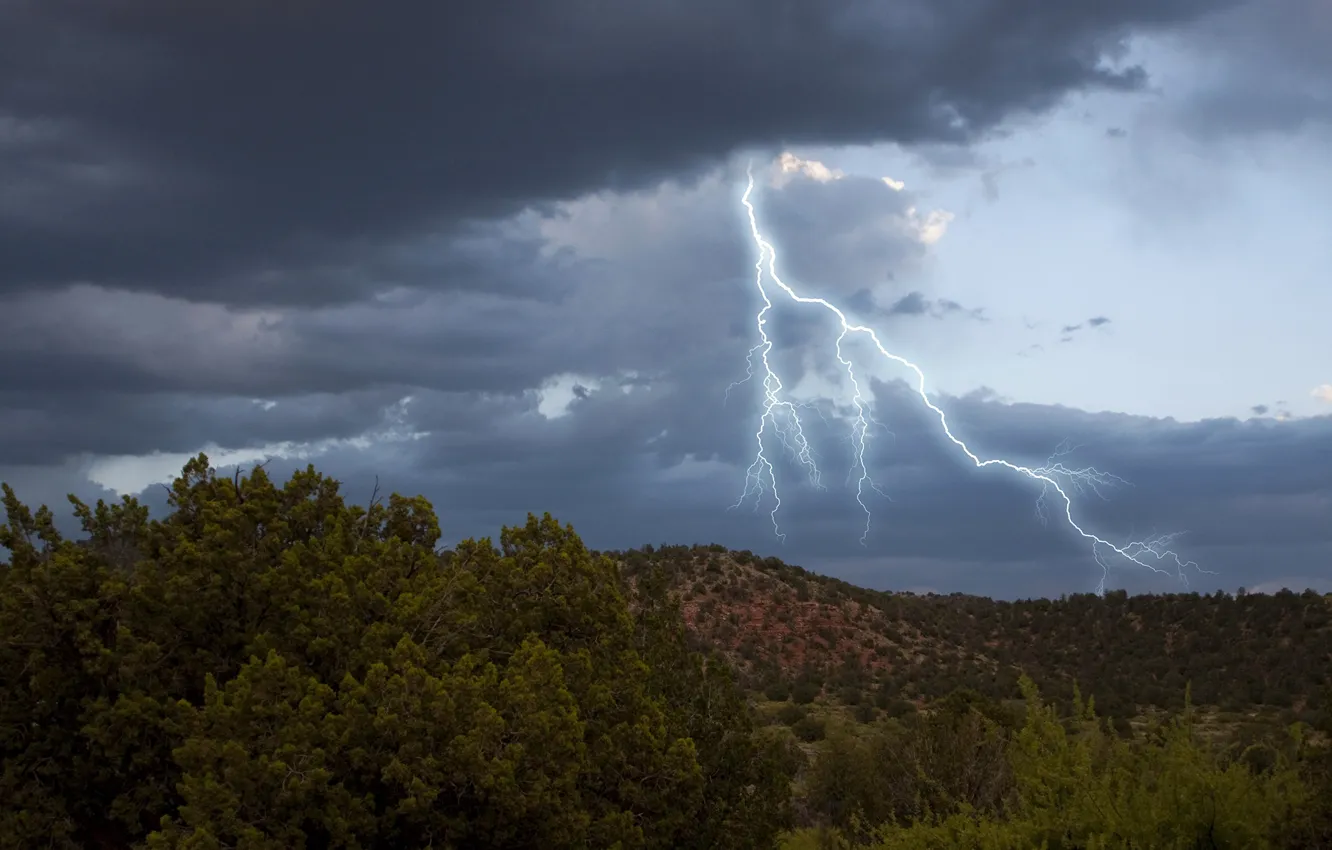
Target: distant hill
point(793, 634)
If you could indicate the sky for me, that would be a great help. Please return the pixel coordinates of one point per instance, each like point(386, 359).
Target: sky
point(495, 253)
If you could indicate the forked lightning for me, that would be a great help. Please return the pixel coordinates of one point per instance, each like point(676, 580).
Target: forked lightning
point(780, 418)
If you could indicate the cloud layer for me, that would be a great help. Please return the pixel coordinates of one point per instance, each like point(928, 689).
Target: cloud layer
point(492, 252)
point(137, 150)
point(612, 405)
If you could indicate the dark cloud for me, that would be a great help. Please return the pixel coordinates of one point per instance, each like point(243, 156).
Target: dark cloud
point(1067, 331)
point(861, 302)
point(139, 150)
point(377, 238)
point(653, 445)
point(636, 275)
point(1250, 496)
point(1279, 410)
point(911, 304)
point(1268, 69)
point(915, 303)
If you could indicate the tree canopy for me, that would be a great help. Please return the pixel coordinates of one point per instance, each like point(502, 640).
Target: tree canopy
point(269, 667)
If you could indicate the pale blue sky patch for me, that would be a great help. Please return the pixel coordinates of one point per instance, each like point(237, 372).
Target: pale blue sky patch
point(1212, 262)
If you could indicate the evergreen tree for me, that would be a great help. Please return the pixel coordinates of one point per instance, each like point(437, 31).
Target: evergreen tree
point(268, 667)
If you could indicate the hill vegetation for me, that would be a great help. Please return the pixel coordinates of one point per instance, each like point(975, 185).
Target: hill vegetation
point(270, 667)
point(792, 633)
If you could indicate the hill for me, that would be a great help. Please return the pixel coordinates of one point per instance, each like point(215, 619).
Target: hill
point(791, 633)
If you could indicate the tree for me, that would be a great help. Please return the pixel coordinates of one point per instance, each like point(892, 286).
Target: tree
point(269, 667)
point(745, 800)
point(952, 758)
point(1087, 788)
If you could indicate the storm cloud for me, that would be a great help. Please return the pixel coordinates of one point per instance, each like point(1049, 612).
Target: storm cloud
point(1270, 70)
point(385, 239)
point(255, 154)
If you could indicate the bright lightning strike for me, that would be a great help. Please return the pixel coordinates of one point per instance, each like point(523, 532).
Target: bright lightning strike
point(781, 419)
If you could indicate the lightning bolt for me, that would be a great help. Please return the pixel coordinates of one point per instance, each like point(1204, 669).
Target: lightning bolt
point(780, 417)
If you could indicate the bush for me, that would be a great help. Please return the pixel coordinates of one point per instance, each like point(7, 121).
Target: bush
point(790, 715)
point(777, 691)
point(805, 691)
point(809, 729)
point(850, 695)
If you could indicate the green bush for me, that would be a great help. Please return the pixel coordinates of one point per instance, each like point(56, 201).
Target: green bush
point(805, 691)
point(778, 691)
point(809, 729)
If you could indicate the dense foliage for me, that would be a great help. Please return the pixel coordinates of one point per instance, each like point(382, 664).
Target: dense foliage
point(781, 624)
point(971, 775)
point(267, 667)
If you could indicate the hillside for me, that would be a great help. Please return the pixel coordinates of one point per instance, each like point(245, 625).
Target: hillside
point(790, 632)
